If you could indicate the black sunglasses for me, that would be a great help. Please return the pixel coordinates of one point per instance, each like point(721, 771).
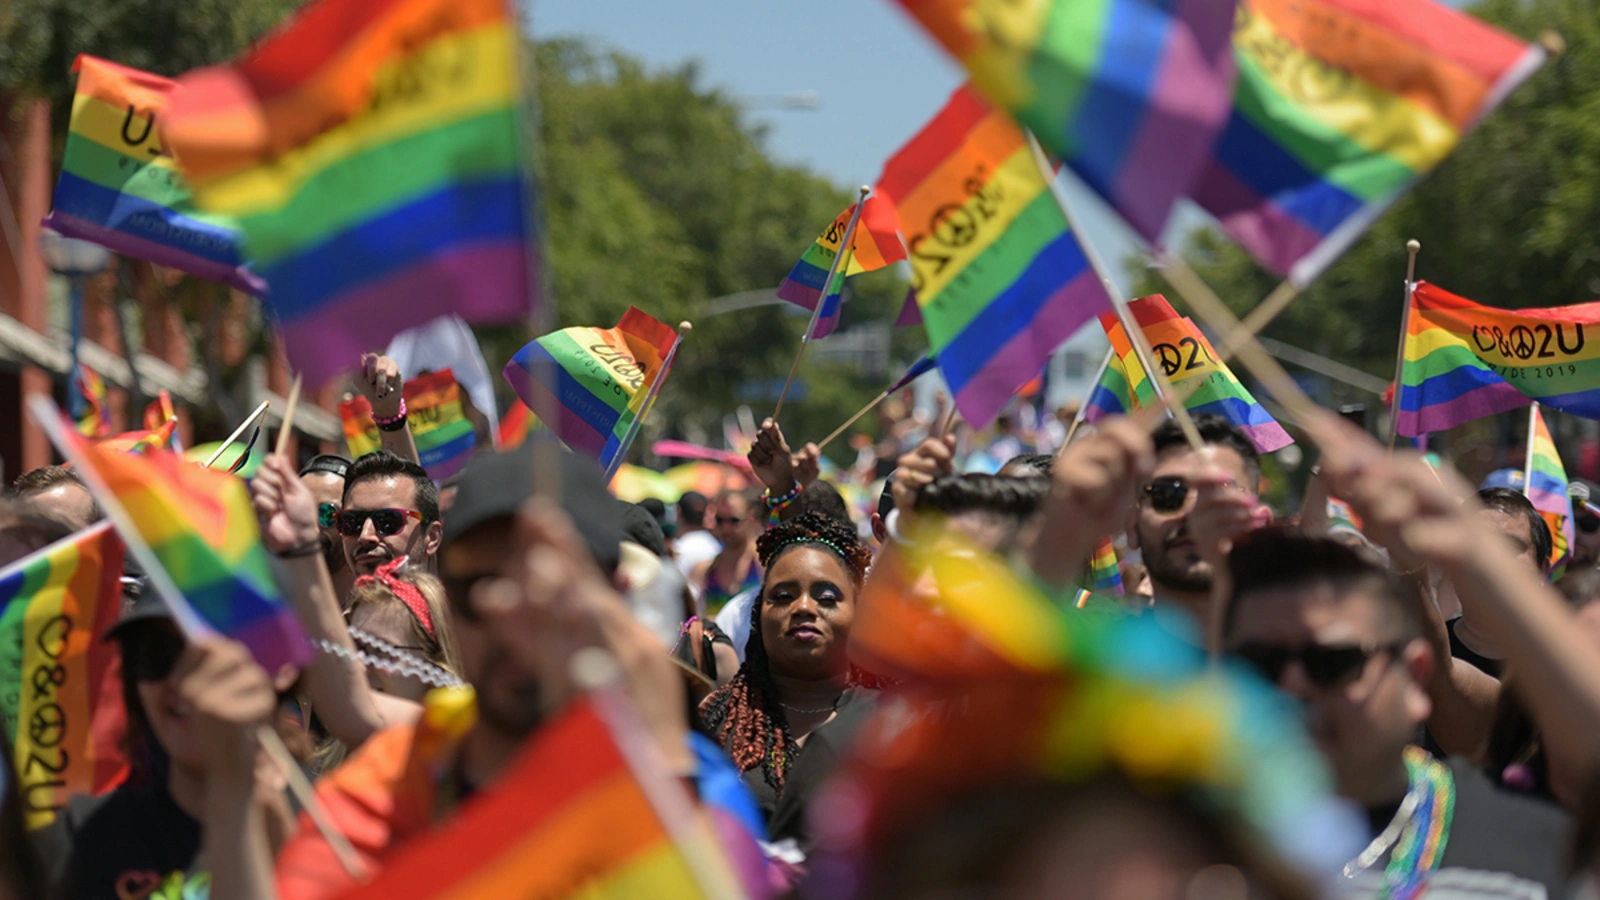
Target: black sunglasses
point(729, 520)
point(458, 594)
point(150, 654)
point(327, 514)
point(386, 521)
point(1166, 495)
point(1326, 666)
point(1587, 522)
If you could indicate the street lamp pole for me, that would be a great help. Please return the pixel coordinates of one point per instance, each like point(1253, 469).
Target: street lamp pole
point(76, 260)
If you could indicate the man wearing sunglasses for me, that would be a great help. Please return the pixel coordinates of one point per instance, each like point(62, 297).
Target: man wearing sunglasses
point(324, 476)
point(390, 509)
point(1191, 503)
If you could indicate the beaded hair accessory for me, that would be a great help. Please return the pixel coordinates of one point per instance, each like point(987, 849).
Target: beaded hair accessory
point(808, 539)
point(408, 593)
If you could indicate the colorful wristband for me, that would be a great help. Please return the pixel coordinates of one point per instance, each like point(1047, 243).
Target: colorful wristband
point(392, 423)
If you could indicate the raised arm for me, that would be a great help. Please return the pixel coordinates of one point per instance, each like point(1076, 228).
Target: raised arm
point(381, 383)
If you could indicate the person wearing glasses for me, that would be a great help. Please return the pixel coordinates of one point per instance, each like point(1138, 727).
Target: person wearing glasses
point(390, 509)
point(324, 477)
point(736, 520)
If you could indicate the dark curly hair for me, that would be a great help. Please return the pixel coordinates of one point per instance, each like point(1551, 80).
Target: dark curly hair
point(745, 714)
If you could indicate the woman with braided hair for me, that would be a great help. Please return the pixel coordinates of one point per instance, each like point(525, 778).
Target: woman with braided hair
point(796, 696)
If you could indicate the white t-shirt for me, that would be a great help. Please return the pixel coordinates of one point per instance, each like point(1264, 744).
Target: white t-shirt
point(734, 619)
point(693, 549)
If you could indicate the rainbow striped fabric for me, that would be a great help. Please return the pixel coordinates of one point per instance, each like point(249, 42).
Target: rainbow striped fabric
point(1130, 94)
point(96, 419)
point(516, 424)
point(158, 438)
point(1184, 354)
point(119, 188)
point(999, 277)
point(592, 832)
point(874, 245)
point(1103, 571)
point(602, 378)
point(1546, 489)
point(918, 369)
point(1340, 106)
point(202, 529)
point(445, 438)
point(60, 691)
point(1464, 361)
point(371, 154)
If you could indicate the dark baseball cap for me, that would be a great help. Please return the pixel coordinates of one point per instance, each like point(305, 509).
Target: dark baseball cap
point(494, 486)
point(332, 463)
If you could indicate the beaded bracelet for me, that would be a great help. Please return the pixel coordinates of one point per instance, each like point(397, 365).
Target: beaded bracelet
point(776, 505)
point(392, 423)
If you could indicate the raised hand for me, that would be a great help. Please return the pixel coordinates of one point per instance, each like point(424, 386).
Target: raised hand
point(284, 507)
point(808, 465)
point(1093, 481)
point(770, 458)
point(226, 696)
point(932, 459)
point(380, 382)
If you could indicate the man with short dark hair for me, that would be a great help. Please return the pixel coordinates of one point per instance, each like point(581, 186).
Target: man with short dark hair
point(991, 512)
point(324, 477)
point(693, 544)
point(1334, 630)
point(390, 509)
point(1528, 535)
point(59, 491)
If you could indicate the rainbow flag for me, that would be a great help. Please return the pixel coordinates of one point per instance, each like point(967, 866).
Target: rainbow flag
point(445, 438)
point(1106, 577)
point(515, 425)
point(1546, 489)
point(241, 459)
point(1184, 354)
point(999, 277)
point(1340, 107)
point(1464, 361)
point(60, 684)
point(202, 530)
point(96, 419)
point(1129, 93)
point(602, 378)
point(371, 153)
point(592, 832)
point(874, 245)
point(158, 438)
point(918, 369)
point(119, 187)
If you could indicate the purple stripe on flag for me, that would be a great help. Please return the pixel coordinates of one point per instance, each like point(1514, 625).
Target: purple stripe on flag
point(1169, 151)
point(152, 251)
point(578, 433)
point(1018, 361)
point(275, 640)
point(488, 282)
point(910, 312)
point(1475, 404)
point(1272, 235)
point(1547, 501)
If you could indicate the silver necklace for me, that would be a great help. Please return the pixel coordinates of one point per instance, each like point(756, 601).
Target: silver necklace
point(811, 712)
point(388, 658)
point(1381, 844)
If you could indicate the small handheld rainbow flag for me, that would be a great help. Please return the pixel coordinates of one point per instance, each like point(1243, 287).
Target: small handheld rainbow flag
point(999, 276)
point(1339, 108)
point(96, 419)
point(371, 154)
point(1106, 577)
point(1464, 361)
point(60, 691)
point(445, 438)
point(1184, 354)
point(159, 438)
point(1546, 488)
point(602, 379)
point(120, 189)
point(1128, 93)
point(516, 424)
point(194, 531)
point(874, 245)
point(160, 411)
point(594, 832)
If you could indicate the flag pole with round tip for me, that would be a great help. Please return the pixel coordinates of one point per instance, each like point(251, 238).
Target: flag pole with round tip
point(845, 243)
point(1413, 246)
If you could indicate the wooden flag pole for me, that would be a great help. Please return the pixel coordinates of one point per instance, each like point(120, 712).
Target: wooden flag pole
point(286, 429)
point(254, 415)
point(846, 242)
point(882, 396)
point(1083, 408)
point(1527, 459)
point(1136, 336)
point(1412, 246)
point(649, 403)
point(342, 849)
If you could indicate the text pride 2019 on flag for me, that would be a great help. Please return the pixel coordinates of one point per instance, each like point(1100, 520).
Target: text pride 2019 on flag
point(371, 153)
point(998, 274)
point(1464, 361)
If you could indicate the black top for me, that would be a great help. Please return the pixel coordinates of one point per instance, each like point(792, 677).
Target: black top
point(1466, 654)
point(1500, 845)
point(129, 843)
point(811, 767)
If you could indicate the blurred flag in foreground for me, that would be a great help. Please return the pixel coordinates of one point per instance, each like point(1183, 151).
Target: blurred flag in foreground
point(96, 419)
point(1000, 278)
point(60, 684)
point(601, 378)
point(371, 153)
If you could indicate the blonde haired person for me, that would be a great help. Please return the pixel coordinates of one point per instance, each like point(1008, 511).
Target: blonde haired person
point(403, 607)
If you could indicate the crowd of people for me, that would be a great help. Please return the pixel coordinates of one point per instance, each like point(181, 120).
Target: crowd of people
point(925, 702)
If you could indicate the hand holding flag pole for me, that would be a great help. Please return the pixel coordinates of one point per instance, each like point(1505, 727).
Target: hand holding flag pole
point(1412, 247)
point(845, 243)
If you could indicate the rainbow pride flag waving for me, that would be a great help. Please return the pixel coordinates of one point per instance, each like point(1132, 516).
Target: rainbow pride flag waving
point(60, 693)
point(602, 380)
point(96, 419)
point(1339, 108)
point(370, 152)
point(874, 245)
point(999, 276)
point(1546, 488)
point(1464, 361)
point(119, 187)
point(445, 438)
point(1184, 354)
point(1128, 93)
